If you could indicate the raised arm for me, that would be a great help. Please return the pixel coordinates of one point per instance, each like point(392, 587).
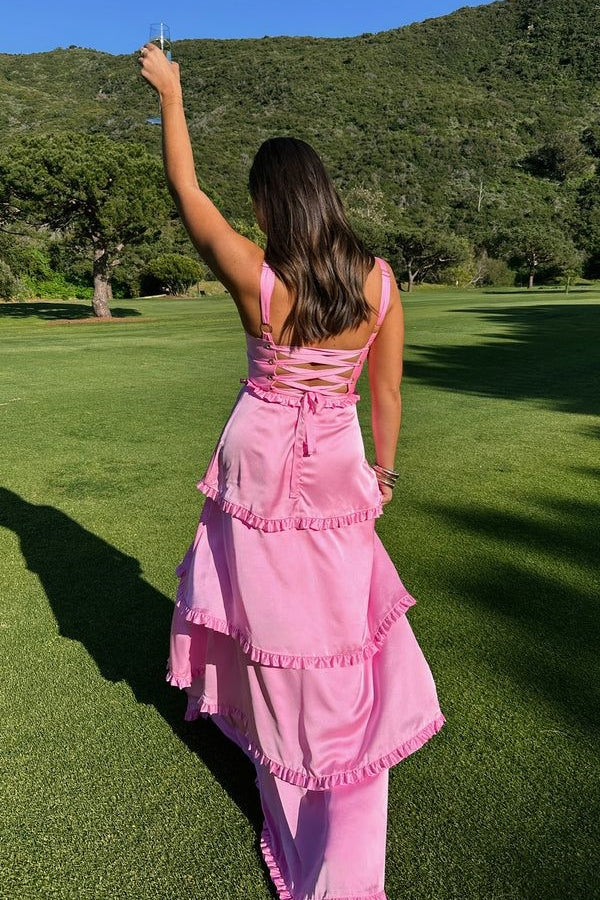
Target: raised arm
point(385, 375)
point(233, 258)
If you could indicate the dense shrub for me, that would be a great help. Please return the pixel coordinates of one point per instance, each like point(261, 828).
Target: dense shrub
point(171, 273)
point(57, 288)
point(25, 259)
point(10, 286)
point(497, 273)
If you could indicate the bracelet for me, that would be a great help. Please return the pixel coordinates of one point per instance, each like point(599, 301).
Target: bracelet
point(385, 475)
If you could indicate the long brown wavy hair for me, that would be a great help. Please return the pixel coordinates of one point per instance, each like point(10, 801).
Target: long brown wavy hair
point(310, 244)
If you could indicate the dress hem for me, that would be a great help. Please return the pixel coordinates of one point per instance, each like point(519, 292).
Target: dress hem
point(198, 707)
point(283, 892)
point(271, 864)
point(292, 661)
point(291, 522)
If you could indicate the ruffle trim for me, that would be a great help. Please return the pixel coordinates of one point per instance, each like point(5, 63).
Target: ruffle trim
point(183, 681)
point(291, 661)
point(271, 864)
point(198, 707)
point(285, 398)
point(287, 524)
point(278, 880)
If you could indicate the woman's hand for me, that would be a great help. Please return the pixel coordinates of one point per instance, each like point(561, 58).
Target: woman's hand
point(161, 74)
point(386, 493)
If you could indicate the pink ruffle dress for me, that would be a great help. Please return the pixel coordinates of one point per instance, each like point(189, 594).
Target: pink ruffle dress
point(289, 627)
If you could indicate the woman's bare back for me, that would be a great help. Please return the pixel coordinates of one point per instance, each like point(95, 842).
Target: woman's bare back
point(351, 339)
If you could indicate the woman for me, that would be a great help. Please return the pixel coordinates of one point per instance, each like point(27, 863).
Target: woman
point(289, 627)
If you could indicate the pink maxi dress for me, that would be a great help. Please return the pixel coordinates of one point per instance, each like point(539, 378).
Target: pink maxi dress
point(290, 626)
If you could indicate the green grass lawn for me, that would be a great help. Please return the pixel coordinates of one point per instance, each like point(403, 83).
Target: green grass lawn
point(105, 793)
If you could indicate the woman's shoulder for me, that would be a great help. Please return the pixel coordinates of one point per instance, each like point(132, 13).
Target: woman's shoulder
point(380, 286)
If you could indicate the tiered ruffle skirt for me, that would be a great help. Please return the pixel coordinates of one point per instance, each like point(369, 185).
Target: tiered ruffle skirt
point(296, 642)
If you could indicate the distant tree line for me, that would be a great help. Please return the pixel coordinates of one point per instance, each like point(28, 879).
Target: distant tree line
point(87, 214)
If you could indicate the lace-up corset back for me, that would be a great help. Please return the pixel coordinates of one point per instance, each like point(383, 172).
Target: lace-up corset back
point(323, 370)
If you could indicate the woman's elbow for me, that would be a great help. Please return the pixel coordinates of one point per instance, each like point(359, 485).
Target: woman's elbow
point(386, 395)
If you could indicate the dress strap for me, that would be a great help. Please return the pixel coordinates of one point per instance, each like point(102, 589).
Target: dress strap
point(267, 283)
point(384, 302)
point(385, 291)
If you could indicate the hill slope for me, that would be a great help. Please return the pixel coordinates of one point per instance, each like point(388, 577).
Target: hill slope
point(423, 113)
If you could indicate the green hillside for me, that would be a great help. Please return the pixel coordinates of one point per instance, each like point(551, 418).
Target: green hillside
point(464, 118)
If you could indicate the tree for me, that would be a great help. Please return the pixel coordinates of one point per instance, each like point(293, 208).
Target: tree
point(487, 270)
point(373, 219)
point(417, 247)
point(571, 268)
point(426, 250)
point(560, 157)
point(251, 231)
point(8, 212)
point(104, 195)
point(536, 242)
point(9, 283)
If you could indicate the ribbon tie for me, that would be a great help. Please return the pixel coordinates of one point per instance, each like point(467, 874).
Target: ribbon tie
point(304, 440)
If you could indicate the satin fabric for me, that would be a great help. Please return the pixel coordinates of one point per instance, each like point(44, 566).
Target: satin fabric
point(331, 601)
point(325, 843)
point(298, 460)
point(312, 726)
point(286, 462)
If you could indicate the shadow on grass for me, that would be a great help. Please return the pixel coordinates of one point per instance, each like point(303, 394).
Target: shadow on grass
point(99, 598)
point(539, 572)
point(51, 310)
point(545, 353)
